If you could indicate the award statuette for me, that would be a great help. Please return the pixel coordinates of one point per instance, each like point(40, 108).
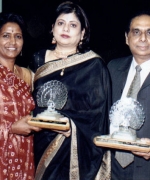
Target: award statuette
point(52, 95)
point(127, 116)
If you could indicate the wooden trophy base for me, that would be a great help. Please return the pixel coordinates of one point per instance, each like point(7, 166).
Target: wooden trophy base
point(107, 141)
point(56, 124)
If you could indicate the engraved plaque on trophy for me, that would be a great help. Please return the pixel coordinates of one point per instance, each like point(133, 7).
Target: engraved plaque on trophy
point(52, 95)
point(127, 115)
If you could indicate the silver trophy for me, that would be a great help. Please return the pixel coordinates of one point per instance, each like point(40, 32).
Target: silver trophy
point(126, 116)
point(52, 95)
point(129, 116)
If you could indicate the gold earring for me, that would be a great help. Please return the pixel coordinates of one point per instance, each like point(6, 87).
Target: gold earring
point(53, 41)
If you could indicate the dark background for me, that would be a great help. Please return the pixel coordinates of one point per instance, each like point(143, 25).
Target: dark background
point(107, 19)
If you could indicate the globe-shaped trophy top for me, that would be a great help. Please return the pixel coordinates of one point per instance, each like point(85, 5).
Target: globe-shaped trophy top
point(127, 112)
point(53, 93)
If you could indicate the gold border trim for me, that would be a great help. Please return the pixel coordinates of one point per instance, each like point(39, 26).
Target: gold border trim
point(74, 164)
point(48, 155)
point(53, 66)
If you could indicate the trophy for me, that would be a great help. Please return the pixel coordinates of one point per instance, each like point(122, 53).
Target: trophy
point(52, 95)
point(127, 116)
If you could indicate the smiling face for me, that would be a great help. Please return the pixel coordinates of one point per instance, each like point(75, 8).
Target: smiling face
point(138, 38)
point(11, 41)
point(67, 30)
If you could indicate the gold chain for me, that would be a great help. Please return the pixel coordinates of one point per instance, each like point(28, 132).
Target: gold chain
point(63, 56)
point(60, 54)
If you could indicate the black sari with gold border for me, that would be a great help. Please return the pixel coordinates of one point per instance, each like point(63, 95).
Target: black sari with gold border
point(87, 81)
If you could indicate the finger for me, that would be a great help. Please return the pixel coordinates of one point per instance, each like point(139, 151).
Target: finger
point(68, 134)
point(145, 140)
point(26, 118)
point(139, 153)
point(144, 155)
point(64, 118)
point(36, 129)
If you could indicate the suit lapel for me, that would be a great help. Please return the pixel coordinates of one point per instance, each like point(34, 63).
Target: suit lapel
point(124, 69)
point(121, 75)
point(146, 82)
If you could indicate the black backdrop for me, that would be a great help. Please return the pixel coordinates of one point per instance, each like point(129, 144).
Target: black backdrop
point(107, 19)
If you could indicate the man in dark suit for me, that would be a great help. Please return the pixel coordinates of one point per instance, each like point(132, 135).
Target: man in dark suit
point(122, 72)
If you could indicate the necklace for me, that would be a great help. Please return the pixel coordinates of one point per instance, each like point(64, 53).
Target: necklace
point(63, 56)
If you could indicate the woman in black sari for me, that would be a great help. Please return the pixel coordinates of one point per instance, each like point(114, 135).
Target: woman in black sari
point(72, 155)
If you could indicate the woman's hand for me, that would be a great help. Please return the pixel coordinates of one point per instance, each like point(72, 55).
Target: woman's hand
point(145, 155)
point(21, 127)
point(65, 133)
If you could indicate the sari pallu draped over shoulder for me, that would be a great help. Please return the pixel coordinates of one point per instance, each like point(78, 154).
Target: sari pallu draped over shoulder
point(16, 151)
point(76, 157)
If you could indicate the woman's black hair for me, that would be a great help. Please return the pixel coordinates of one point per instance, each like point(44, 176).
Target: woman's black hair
point(69, 7)
point(14, 18)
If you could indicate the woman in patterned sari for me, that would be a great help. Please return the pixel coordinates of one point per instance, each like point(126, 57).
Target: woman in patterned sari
point(72, 155)
point(16, 103)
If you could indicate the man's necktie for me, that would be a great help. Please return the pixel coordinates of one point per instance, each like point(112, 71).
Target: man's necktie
point(126, 158)
point(135, 85)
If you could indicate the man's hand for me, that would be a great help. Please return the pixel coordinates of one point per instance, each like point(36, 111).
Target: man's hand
point(21, 127)
point(143, 154)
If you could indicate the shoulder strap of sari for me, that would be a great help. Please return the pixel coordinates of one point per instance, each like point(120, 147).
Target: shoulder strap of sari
point(53, 66)
point(24, 74)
